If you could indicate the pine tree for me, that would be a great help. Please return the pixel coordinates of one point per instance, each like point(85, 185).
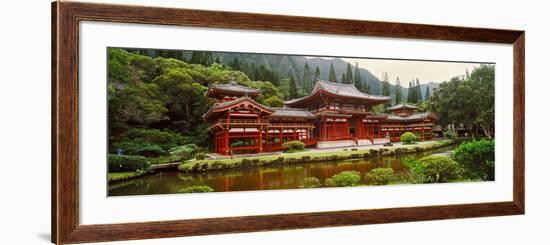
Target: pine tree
point(411, 94)
point(368, 89)
point(317, 73)
point(357, 78)
point(332, 74)
point(427, 94)
point(349, 75)
point(293, 89)
point(235, 64)
point(418, 92)
point(397, 91)
point(343, 79)
point(307, 78)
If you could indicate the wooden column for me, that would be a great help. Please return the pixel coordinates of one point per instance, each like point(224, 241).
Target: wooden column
point(260, 139)
point(422, 132)
point(226, 138)
point(280, 136)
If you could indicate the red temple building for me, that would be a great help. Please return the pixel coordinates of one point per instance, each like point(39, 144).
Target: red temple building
point(404, 119)
point(332, 115)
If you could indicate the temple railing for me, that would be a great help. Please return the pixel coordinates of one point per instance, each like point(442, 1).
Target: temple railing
point(291, 125)
point(241, 122)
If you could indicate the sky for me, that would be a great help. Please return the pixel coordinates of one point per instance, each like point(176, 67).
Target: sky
point(407, 70)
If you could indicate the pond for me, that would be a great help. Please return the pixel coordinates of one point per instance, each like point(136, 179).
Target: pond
point(269, 177)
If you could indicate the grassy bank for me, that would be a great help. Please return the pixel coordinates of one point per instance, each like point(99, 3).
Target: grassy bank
point(113, 177)
point(305, 157)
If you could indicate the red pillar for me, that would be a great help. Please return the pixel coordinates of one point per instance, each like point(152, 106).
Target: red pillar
point(422, 132)
point(226, 147)
point(281, 136)
point(260, 139)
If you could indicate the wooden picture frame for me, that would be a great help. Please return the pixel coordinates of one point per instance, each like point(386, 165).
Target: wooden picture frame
point(65, 121)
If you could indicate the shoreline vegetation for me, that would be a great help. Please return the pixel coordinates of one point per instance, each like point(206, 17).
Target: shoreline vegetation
point(308, 157)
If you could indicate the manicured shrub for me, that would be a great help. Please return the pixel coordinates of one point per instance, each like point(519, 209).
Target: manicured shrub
point(125, 163)
point(477, 158)
point(196, 189)
point(380, 176)
point(408, 138)
point(146, 149)
point(345, 178)
point(185, 167)
point(185, 151)
point(293, 146)
point(440, 169)
point(147, 142)
point(450, 134)
point(310, 182)
point(200, 156)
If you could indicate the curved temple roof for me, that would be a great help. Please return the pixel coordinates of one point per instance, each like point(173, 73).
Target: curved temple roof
point(340, 89)
point(411, 118)
point(402, 106)
point(231, 88)
point(291, 113)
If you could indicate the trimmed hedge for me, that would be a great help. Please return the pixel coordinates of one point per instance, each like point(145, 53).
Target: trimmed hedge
point(293, 146)
point(477, 158)
point(408, 137)
point(310, 182)
point(196, 189)
point(345, 178)
point(126, 163)
point(380, 176)
point(440, 169)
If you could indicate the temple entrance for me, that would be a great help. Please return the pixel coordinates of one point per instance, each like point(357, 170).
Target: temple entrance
point(352, 132)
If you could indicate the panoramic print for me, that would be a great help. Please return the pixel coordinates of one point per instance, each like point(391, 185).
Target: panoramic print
point(185, 121)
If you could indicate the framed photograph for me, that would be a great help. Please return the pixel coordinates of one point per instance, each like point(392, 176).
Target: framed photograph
point(175, 122)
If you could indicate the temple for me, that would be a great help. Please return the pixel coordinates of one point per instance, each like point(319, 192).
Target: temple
point(404, 119)
point(332, 115)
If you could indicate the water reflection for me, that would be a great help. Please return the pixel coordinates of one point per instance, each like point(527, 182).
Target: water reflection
point(258, 178)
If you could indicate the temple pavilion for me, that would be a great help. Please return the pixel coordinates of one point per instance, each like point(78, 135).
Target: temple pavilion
point(332, 115)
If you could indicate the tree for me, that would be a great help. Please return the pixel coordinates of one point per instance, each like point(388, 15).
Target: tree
point(357, 78)
point(467, 101)
point(317, 73)
point(293, 89)
point(398, 96)
point(332, 74)
point(343, 79)
point(427, 94)
point(411, 94)
point(349, 75)
point(418, 91)
point(307, 78)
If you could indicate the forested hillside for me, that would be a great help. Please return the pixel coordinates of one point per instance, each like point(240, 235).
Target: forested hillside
point(157, 97)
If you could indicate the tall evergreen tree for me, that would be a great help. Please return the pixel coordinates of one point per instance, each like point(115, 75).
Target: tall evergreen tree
point(398, 96)
point(386, 91)
point(418, 92)
point(357, 78)
point(343, 79)
point(317, 73)
point(307, 78)
point(235, 64)
point(332, 74)
point(411, 94)
point(427, 94)
point(292, 88)
point(349, 75)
